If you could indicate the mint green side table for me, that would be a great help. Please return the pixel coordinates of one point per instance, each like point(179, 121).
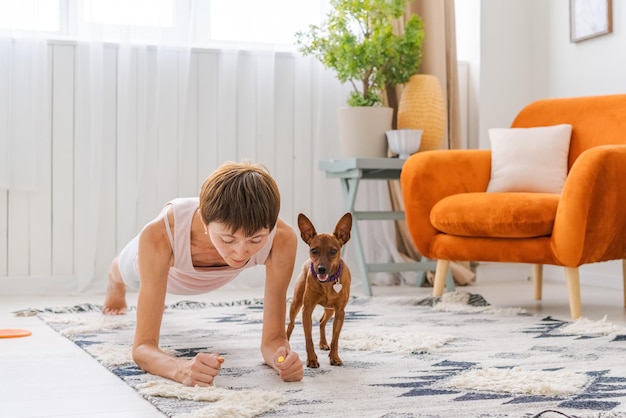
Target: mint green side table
point(350, 171)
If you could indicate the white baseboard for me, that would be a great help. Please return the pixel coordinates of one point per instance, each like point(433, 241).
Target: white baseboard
point(73, 285)
point(605, 275)
point(41, 286)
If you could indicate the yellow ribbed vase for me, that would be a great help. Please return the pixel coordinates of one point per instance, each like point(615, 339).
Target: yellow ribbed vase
point(422, 107)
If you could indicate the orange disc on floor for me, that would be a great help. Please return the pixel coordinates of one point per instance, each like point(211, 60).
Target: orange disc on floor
point(14, 333)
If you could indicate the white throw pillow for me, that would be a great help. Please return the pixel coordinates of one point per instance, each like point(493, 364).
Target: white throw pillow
point(529, 159)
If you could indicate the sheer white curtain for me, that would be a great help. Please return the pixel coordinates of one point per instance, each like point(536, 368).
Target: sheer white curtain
point(132, 87)
point(23, 105)
point(113, 126)
point(23, 99)
point(89, 105)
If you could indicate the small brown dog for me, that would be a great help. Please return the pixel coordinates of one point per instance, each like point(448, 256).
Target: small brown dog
point(325, 281)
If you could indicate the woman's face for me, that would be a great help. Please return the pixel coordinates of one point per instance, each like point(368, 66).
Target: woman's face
point(236, 248)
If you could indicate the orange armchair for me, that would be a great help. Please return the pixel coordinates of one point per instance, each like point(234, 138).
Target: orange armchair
point(585, 223)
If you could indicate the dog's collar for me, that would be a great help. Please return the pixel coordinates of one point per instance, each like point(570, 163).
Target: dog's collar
point(330, 279)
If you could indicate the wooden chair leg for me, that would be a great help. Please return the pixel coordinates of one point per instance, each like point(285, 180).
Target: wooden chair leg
point(538, 280)
point(441, 272)
point(573, 290)
point(624, 280)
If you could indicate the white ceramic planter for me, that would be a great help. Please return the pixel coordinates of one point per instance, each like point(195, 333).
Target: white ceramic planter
point(362, 131)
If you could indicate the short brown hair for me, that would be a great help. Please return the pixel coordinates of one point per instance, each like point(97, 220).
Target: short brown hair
point(242, 196)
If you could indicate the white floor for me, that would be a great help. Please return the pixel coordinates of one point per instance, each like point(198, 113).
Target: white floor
point(46, 375)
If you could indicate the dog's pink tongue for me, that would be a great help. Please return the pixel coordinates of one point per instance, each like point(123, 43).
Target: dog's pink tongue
point(322, 277)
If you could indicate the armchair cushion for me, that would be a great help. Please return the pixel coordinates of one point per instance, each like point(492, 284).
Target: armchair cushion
point(529, 159)
point(496, 215)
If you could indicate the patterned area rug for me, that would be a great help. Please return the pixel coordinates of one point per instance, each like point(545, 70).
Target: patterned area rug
point(451, 357)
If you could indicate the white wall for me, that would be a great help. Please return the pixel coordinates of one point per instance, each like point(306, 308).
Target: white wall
point(595, 66)
point(522, 52)
point(468, 51)
point(506, 56)
point(525, 54)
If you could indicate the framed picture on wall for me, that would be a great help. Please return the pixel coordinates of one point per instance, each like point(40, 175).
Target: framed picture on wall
point(589, 18)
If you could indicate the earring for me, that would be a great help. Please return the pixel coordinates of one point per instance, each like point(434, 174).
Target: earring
point(206, 232)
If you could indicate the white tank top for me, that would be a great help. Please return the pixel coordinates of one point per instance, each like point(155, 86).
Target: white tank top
point(184, 278)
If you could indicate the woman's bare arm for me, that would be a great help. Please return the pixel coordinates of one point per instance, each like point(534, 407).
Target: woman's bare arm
point(155, 259)
point(279, 270)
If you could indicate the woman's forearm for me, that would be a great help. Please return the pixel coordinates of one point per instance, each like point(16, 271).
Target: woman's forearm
point(154, 361)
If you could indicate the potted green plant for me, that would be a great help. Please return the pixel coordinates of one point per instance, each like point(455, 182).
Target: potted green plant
point(358, 41)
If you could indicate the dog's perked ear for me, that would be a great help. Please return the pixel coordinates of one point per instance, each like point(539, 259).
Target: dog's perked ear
point(343, 228)
point(307, 230)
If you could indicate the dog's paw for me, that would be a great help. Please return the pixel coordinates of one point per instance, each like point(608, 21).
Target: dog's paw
point(312, 363)
point(324, 346)
point(336, 361)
